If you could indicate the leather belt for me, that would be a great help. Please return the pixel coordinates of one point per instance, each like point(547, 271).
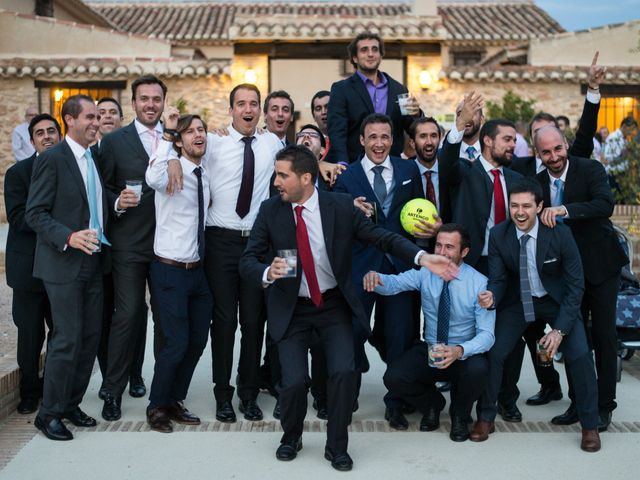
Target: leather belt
point(229, 232)
point(325, 294)
point(173, 263)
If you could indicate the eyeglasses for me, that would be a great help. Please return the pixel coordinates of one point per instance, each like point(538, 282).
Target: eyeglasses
point(307, 134)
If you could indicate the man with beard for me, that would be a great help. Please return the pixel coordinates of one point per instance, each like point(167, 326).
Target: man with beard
point(30, 307)
point(320, 112)
point(278, 114)
point(578, 195)
point(68, 210)
point(178, 280)
point(109, 116)
point(367, 91)
point(124, 156)
point(482, 186)
point(535, 275)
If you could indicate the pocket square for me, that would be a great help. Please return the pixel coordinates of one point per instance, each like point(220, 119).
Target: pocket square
point(406, 181)
point(551, 260)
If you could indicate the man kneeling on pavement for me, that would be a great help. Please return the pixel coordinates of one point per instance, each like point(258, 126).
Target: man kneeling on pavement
point(455, 320)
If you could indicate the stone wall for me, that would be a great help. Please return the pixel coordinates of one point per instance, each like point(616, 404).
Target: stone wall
point(16, 94)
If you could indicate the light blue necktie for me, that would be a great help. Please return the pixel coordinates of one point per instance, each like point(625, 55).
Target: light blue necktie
point(379, 185)
point(94, 219)
point(525, 285)
point(471, 153)
point(559, 199)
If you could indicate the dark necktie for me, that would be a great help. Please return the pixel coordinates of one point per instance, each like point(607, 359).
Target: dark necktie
point(444, 311)
point(306, 258)
point(500, 214)
point(246, 186)
point(198, 173)
point(431, 191)
point(379, 185)
point(525, 286)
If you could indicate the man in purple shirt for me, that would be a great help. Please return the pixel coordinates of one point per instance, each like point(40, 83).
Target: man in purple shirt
point(367, 91)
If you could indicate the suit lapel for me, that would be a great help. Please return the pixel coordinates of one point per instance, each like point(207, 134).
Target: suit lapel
point(361, 179)
point(392, 94)
point(361, 90)
point(133, 139)
point(488, 186)
point(511, 239)
point(72, 164)
point(328, 216)
point(542, 245)
point(571, 172)
point(398, 179)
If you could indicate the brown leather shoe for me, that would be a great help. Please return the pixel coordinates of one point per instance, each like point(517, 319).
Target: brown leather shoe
point(481, 431)
point(158, 420)
point(590, 440)
point(178, 413)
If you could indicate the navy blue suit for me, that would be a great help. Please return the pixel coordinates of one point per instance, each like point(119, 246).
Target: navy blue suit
point(397, 334)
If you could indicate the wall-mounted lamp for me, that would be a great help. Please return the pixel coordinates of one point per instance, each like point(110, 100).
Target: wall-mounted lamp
point(57, 95)
point(250, 76)
point(425, 79)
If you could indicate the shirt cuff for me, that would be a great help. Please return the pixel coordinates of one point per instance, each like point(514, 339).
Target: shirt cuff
point(265, 280)
point(566, 210)
point(454, 135)
point(116, 209)
point(593, 97)
point(416, 259)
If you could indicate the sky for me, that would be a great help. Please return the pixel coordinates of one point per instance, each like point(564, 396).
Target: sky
point(571, 14)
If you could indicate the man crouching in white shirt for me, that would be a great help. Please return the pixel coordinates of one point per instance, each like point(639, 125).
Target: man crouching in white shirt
point(177, 276)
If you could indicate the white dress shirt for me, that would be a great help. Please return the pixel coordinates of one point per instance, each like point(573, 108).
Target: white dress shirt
point(537, 289)
point(78, 152)
point(224, 160)
point(146, 137)
point(435, 179)
point(21, 143)
point(492, 213)
point(387, 173)
point(176, 236)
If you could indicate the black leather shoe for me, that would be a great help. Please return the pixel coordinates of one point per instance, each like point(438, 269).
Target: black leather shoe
point(251, 410)
point(339, 461)
point(276, 410)
point(80, 419)
point(159, 420)
point(510, 413)
point(179, 414)
point(604, 420)
point(137, 388)
point(111, 410)
point(459, 430)
point(567, 418)
point(54, 429)
point(443, 386)
point(102, 393)
point(287, 451)
point(545, 395)
point(225, 412)
point(321, 407)
point(28, 405)
point(396, 418)
point(430, 420)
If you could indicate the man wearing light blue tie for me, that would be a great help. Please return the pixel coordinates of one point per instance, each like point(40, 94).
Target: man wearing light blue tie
point(454, 318)
point(67, 208)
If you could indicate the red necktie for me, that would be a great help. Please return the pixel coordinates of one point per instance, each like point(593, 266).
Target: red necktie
point(306, 258)
point(498, 198)
point(327, 146)
point(431, 192)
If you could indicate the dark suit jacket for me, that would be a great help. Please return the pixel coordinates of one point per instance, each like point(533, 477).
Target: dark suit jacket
point(123, 157)
point(473, 194)
point(58, 206)
point(558, 264)
point(275, 229)
point(582, 145)
point(21, 240)
point(349, 104)
point(447, 157)
point(588, 199)
point(407, 187)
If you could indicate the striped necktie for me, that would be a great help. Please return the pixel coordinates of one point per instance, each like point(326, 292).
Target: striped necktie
point(525, 286)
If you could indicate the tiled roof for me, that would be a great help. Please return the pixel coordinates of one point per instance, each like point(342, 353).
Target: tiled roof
point(224, 22)
point(111, 68)
point(527, 73)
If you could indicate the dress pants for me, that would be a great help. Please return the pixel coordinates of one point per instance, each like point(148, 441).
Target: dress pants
point(223, 249)
point(599, 314)
point(141, 336)
point(77, 320)
point(31, 311)
point(332, 322)
point(412, 379)
point(510, 325)
point(184, 311)
point(130, 276)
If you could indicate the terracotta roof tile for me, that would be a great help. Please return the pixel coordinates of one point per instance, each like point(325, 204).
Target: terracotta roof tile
point(224, 22)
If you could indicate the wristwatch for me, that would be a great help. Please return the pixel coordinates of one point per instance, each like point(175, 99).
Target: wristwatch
point(562, 334)
point(170, 131)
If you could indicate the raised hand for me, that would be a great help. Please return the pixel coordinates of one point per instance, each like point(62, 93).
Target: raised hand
point(471, 103)
point(596, 73)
